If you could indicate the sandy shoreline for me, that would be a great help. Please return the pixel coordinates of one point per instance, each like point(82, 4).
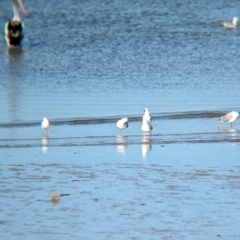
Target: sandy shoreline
point(173, 192)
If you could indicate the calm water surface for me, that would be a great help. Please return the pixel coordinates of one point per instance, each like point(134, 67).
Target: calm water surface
point(87, 59)
point(85, 64)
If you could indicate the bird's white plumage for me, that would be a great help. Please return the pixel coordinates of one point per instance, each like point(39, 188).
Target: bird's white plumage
point(122, 124)
point(232, 24)
point(146, 127)
point(229, 117)
point(45, 124)
point(146, 116)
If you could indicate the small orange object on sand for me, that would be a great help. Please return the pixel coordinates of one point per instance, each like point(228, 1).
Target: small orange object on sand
point(55, 197)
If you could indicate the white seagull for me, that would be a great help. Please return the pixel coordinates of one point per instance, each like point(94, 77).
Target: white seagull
point(229, 117)
point(14, 28)
point(146, 115)
point(233, 24)
point(122, 124)
point(45, 125)
point(146, 127)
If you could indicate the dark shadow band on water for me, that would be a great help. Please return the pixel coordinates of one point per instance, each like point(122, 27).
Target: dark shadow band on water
point(111, 141)
point(112, 119)
point(102, 137)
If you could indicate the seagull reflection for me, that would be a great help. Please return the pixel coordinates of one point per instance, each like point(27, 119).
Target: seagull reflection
point(14, 63)
point(146, 146)
point(16, 52)
point(44, 144)
point(121, 144)
point(231, 131)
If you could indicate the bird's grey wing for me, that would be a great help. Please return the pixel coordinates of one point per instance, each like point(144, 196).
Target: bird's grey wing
point(226, 117)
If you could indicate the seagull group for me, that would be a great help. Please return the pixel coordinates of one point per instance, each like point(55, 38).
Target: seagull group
point(146, 122)
point(147, 127)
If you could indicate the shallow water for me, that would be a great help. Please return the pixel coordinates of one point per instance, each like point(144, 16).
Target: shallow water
point(194, 127)
point(174, 193)
point(84, 65)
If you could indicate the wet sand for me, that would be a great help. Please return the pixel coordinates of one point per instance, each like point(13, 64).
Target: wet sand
point(179, 191)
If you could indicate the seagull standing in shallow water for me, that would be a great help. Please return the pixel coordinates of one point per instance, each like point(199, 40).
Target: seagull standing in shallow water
point(45, 125)
point(146, 115)
point(13, 28)
point(122, 124)
point(233, 24)
point(146, 126)
point(229, 117)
